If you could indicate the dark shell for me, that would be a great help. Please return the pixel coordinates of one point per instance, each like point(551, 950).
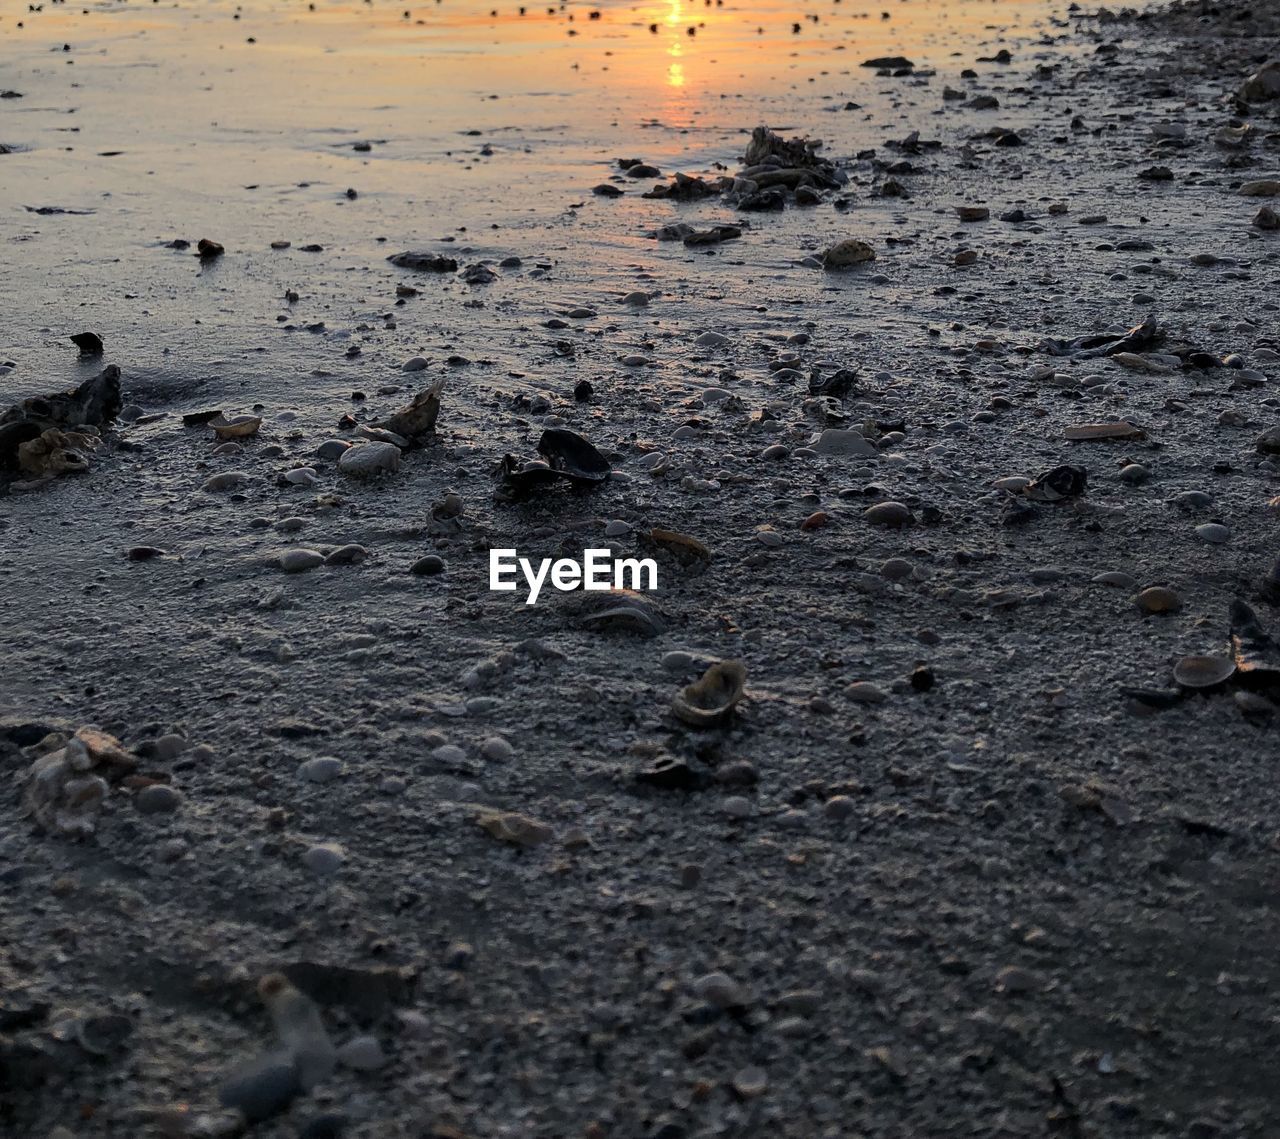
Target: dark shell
point(839, 383)
point(1136, 339)
point(672, 774)
point(517, 480)
point(569, 454)
point(1058, 484)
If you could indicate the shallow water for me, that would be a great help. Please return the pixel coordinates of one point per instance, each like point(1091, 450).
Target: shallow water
point(484, 130)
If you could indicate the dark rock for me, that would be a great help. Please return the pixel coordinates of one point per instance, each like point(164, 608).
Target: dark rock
point(89, 343)
point(424, 261)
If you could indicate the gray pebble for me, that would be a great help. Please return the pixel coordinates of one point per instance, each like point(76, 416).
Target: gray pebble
point(262, 1088)
point(297, 561)
point(321, 769)
point(324, 859)
point(158, 799)
point(332, 449)
point(363, 1054)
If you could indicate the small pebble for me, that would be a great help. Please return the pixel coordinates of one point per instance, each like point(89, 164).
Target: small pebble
point(428, 566)
point(1158, 599)
point(324, 859)
point(158, 799)
point(298, 561)
point(321, 769)
point(362, 1054)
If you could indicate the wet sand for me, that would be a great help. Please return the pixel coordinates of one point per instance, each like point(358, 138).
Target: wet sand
point(964, 860)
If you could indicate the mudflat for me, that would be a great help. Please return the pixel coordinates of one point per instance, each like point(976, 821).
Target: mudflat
point(927, 351)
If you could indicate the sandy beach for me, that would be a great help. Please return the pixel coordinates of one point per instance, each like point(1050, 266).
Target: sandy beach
point(928, 351)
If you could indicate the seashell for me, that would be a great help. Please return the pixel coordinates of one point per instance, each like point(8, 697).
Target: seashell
point(418, 416)
point(569, 454)
point(517, 481)
point(1091, 432)
point(1137, 363)
point(1257, 656)
point(1203, 672)
point(55, 452)
point(1058, 484)
point(238, 427)
point(685, 550)
point(512, 827)
point(838, 384)
point(709, 702)
point(626, 618)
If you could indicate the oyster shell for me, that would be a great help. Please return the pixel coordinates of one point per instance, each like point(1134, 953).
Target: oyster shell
point(682, 549)
point(1203, 672)
point(418, 416)
point(1058, 484)
point(710, 701)
point(237, 427)
point(569, 454)
point(624, 611)
point(56, 453)
point(518, 480)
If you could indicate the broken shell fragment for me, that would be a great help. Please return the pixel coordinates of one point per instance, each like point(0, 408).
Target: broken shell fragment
point(517, 829)
point(1257, 655)
point(1203, 672)
point(709, 702)
point(569, 454)
point(518, 480)
point(625, 612)
point(682, 549)
point(237, 427)
point(418, 416)
point(1058, 484)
